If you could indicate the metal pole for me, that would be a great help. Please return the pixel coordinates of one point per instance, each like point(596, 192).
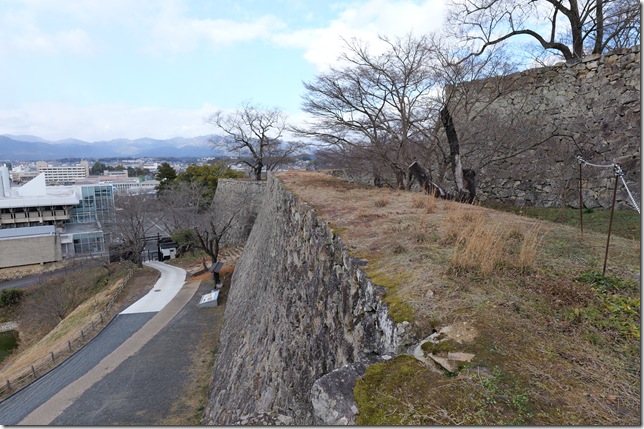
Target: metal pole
point(610, 224)
point(581, 211)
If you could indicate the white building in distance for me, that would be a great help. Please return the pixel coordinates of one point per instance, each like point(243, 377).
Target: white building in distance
point(63, 174)
point(40, 223)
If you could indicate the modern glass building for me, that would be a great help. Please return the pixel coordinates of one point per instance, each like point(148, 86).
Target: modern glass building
point(96, 205)
point(39, 223)
point(88, 221)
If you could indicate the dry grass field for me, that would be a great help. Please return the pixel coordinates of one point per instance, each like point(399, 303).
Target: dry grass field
point(554, 342)
point(36, 344)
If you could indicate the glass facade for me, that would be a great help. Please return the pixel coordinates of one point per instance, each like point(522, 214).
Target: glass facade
point(89, 243)
point(96, 206)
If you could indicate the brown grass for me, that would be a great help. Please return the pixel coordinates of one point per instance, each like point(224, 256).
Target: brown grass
point(513, 278)
point(33, 350)
point(480, 243)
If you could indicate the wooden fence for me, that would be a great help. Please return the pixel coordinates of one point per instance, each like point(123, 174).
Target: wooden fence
point(56, 357)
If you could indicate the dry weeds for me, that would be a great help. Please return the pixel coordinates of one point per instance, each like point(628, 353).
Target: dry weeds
point(32, 351)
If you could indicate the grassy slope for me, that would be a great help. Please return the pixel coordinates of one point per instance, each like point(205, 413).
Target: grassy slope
point(550, 349)
point(37, 346)
point(186, 412)
point(626, 223)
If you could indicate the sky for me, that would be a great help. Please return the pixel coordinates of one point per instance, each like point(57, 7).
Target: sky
point(104, 69)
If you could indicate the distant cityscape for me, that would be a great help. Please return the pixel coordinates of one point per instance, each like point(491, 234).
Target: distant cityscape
point(56, 209)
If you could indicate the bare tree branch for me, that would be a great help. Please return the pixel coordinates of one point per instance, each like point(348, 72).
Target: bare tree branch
point(255, 132)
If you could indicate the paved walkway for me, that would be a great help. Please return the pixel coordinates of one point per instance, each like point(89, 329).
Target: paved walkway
point(153, 386)
point(48, 397)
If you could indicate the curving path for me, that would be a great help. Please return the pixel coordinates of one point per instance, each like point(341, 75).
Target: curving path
point(49, 396)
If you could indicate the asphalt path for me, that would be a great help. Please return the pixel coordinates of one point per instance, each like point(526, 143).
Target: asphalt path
point(146, 386)
point(18, 406)
point(46, 398)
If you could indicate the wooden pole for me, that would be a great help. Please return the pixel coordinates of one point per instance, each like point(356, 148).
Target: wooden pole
point(610, 224)
point(581, 211)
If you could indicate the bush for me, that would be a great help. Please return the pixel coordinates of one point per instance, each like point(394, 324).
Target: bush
point(10, 297)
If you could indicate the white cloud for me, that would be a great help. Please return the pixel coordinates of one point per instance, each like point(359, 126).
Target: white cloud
point(170, 30)
point(21, 34)
point(56, 121)
point(365, 21)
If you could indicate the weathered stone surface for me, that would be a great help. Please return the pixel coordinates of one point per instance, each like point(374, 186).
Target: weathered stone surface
point(264, 419)
point(298, 308)
point(593, 110)
point(332, 394)
point(460, 356)
point(240, 199)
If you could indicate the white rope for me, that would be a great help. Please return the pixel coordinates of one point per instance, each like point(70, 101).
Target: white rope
point(584, 162)
point(618, 172)
point(628, 191)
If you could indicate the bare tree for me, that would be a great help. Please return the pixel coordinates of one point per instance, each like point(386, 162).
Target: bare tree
point(572, 27)
point(255, 135)
point(190, 209)
point(373, 105)
point(52, 300)
point(133, 223)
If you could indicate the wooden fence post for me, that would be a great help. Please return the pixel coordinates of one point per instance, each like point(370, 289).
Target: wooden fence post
point(610, 225)
point(581, 211)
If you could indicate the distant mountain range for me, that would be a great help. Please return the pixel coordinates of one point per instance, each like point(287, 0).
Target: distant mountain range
point(32, 148)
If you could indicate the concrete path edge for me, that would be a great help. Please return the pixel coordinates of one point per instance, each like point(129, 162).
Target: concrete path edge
point(51, 409)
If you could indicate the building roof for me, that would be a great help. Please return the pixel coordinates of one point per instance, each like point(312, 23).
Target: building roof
point(35, 193)
point(27, 232)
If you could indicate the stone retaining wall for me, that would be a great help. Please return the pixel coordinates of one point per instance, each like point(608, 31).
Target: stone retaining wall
point(240, 201)
point(592, 108)
point(298, 308)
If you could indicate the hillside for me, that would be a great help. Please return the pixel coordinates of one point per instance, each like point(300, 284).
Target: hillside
point(508, 320)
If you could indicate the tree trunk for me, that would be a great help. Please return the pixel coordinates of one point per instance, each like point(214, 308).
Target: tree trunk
point(400, 179)
point(258, 170)
point(454, 150)
point(599, 33)
point(577, 30)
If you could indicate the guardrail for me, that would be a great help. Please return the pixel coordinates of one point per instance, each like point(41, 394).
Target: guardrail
point(56, 357)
